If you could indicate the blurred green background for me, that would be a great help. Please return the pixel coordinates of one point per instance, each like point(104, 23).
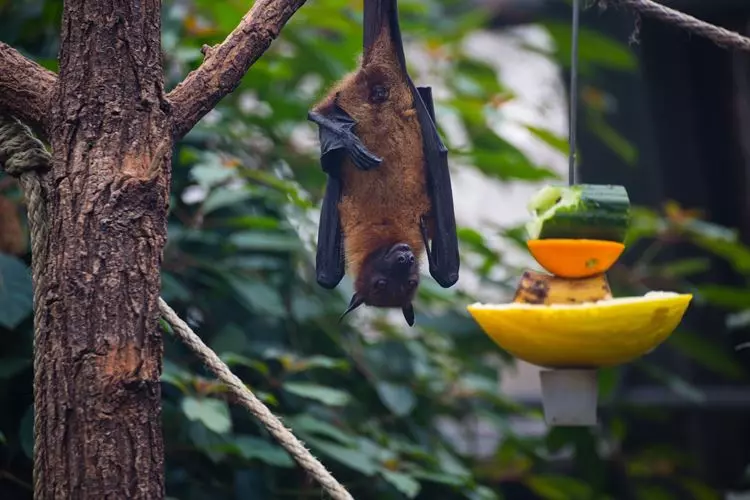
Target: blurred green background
point(371, 398)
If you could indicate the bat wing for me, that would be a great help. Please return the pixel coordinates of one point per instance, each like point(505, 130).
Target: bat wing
point(443, 252)
point(329, 259)
point(337, 140)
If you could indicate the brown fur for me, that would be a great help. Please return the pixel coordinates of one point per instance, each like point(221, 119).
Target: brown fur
point(382, 206)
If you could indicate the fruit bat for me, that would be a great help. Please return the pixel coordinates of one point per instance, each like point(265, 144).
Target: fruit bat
point(388, 194)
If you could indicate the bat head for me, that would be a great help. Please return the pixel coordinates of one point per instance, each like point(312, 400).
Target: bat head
point(389, 278)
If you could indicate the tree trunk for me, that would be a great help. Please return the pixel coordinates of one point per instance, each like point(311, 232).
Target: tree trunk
point(97, 394)
point(97, 358)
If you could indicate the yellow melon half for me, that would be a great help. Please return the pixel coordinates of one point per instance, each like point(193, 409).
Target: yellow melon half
point(604, 333)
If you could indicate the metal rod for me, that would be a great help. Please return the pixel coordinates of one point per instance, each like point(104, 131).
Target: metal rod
point(572, 177)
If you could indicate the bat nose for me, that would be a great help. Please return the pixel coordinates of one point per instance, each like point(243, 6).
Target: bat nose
point(405, 257)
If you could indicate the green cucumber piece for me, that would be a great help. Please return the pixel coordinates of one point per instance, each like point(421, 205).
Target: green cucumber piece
point(583, 211)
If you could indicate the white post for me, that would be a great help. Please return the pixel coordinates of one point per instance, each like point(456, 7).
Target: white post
point(569, 397)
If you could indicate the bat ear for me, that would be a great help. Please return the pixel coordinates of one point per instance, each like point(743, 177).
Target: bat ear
point(356, 301)
point(408, 311)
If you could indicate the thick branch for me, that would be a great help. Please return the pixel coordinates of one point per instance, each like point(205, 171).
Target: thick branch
point(225, 64)
point(25, 88)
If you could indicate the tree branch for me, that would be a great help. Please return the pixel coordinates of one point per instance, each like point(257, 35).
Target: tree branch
point(25, 88)
point(224, 65)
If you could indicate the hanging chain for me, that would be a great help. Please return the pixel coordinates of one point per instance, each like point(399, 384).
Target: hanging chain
point(573, 114)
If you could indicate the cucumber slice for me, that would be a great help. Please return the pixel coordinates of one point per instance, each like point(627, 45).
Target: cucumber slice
point(583, 211)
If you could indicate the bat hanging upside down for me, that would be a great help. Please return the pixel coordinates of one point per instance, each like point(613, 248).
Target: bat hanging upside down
point(388, 194)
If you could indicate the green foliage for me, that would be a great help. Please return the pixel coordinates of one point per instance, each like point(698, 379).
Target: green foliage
point(368, 399)
point(15, 291)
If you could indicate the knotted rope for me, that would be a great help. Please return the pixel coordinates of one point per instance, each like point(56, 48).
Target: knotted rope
point(23, 155)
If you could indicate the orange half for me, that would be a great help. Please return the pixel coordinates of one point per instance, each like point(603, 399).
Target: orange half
point(568, 258)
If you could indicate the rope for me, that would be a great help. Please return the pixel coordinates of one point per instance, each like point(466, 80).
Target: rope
point(23, 156)
point(720, 36)
point(254, 405)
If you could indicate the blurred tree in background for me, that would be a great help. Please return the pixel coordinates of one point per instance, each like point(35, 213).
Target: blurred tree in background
point(367, 396)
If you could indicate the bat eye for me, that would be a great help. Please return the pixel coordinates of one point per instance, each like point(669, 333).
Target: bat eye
point(378, 94)
point(412, 284)
point(380, 284)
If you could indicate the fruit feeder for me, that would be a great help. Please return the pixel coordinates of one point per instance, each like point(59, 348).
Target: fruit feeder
point(566, 320)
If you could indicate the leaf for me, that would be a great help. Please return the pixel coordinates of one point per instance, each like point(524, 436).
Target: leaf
point(402, 482)
point(230, 339)
point(738, 320)
point(706, 353)
point(326, 395)
point(653, 492)
point(206, 440)
point(304, 364)
point(726, 296)
point(506, 165)
point(252, 447)
point(258, 296)
point(232, 359)
point(483, 493)
point(172, 289)
point(265, 241)
point(451, 464)
point(9, 367)
point(173, 374)
point(685, 267)
point(439, 477)
point(221, 197)
point(16, 299)
point(557, 142)
point(211, 171)
point(623, 148)
point(608, 378)
point(213, 413)
point(397, 397)
point(674, 382)
point(594, 48)
point(483, 76)
point(350, 457)
point(556, 487)
point(312, 425)
point(727, 247)
point(699, 490)
point(26, 432)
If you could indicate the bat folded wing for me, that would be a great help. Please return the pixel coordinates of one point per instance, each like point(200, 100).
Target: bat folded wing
point(443, 253)
point(329, 259)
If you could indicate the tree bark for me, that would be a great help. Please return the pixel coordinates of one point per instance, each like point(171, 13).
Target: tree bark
point(225, 64)
point(98, 397)
point(25, 88)
point(97, 349)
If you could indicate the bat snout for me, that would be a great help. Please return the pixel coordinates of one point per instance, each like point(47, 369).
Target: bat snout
point(405, 258)
point(401, 255)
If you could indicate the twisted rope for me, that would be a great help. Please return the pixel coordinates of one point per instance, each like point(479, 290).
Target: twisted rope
point(24, 157)
point(254, 405)
point(720, 36)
